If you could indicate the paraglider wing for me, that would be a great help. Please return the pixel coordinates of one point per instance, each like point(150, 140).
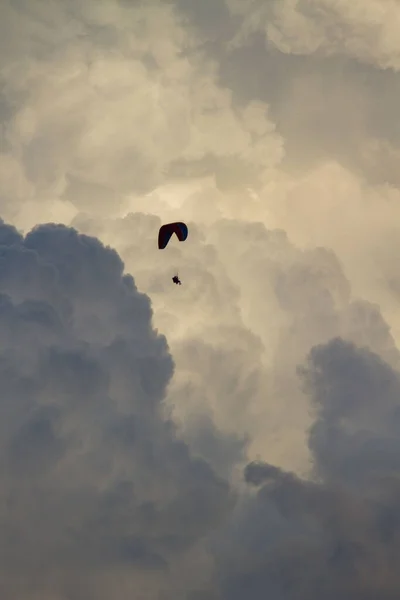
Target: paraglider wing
point(166, 231)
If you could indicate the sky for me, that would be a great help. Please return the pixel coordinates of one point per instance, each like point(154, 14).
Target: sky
point(236, 437)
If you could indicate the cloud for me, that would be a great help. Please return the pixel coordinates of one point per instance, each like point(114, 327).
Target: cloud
point(131, 406)
point(251, 306)
point(364, 31)
point(301, 539)
point(93, 478)
point(125, 100)
point(355, 433)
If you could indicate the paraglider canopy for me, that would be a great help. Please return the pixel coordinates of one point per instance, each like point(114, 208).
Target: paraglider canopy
point(166, 231)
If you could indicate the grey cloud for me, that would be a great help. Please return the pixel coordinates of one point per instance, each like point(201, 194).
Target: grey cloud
point(221, 449)
point(364, 324)
point(296, 538)
point(357, 395)
point(257, 473)
point(92, 476)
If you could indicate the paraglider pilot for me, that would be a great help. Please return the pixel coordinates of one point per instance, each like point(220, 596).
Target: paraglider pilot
point(176, 280)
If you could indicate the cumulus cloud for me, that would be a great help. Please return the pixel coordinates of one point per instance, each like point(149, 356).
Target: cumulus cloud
point(299, 539)
point(355, 433)
point(236, 436)
point(93, 478)
point(366, 31)
point(122, 102)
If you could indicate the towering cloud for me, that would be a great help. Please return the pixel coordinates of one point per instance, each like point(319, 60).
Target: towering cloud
point(237, 436)
point(93, 478)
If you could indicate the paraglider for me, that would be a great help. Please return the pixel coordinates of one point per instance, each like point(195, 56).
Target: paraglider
point(164, 235)
point(166, 231)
